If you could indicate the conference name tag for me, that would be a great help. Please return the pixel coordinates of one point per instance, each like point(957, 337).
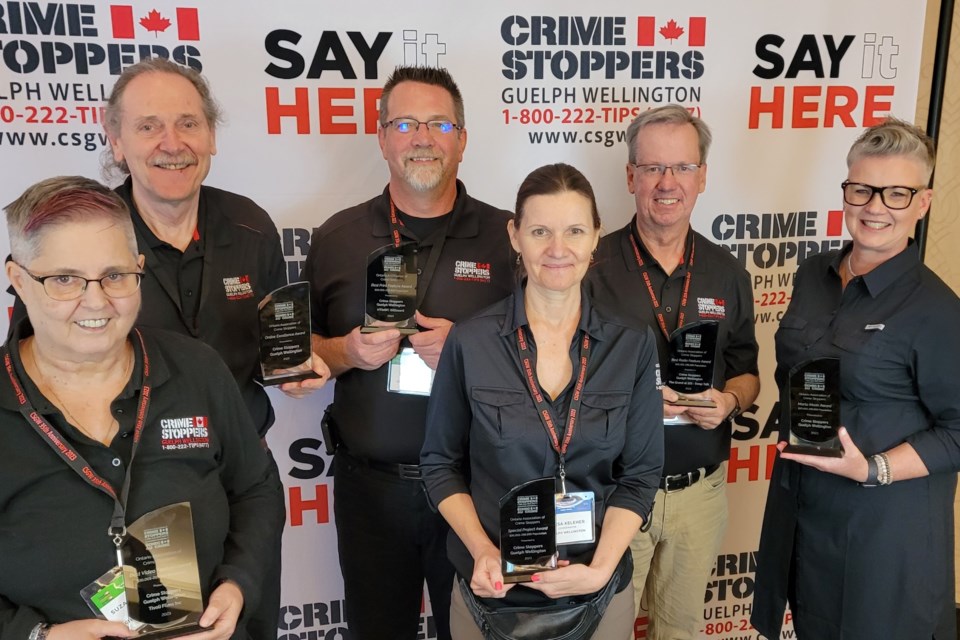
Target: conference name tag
point(107, 598)
point(575, 517)
point(408, 373)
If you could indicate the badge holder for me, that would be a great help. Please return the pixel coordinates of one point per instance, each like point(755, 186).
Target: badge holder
point(408, 373)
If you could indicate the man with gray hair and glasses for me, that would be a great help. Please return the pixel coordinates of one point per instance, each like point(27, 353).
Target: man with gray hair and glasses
point(659, 272)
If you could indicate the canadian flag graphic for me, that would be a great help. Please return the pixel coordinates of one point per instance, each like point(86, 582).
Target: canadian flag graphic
point(695, 31)
point(122, 19)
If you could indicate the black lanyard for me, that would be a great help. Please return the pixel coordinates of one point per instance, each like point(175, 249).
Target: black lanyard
point(528, 362)
point(53, 438)
point(645, 274)
point(424, 278)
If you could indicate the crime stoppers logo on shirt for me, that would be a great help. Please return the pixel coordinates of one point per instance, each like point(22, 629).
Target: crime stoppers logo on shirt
point(712, 308)
point(238, 287)
point(468, 271)
point(184, 433)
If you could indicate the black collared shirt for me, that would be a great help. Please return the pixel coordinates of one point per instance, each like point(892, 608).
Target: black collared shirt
point(185, 268)
point(484, 436)
point(241, 262)
point(896, 331)
point(53, 525)
point(719, 290)
point(474, 270)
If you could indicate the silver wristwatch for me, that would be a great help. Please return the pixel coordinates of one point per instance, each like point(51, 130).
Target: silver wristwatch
point(39, 632)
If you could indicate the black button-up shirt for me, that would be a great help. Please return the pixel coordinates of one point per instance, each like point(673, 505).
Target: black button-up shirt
point(895, 331)
point(484, 436)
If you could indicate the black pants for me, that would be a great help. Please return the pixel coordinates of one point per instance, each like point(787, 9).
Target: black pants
point(389, 542)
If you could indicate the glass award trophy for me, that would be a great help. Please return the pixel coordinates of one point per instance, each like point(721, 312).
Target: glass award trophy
point(813, 408)
point(160, 575)
point(528, 530)
point(693, 354)
point(285, 353)
point(391, 291)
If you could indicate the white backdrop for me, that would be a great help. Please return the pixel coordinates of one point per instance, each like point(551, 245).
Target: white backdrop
point(785, 87)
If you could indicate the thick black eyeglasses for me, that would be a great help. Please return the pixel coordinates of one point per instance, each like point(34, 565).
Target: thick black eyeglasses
point(65, 287)
point(894, 197)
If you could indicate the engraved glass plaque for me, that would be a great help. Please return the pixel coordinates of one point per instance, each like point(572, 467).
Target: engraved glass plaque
point(813, 410)
point(160, 574)
point(285, 353)
point(528, 530)
point(693, 354)
point(391, 289)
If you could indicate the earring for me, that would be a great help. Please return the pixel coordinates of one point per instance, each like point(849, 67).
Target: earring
point(518, 259)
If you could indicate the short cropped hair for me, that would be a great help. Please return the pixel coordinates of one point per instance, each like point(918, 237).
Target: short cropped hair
point(668, 114)
point(434, 76)
point(55, 201)
point(114, 109)
point(895, 137)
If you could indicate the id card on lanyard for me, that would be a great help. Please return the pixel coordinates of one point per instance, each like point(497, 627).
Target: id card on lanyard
point(407, 373)
point(575, 511)
point(138, 557)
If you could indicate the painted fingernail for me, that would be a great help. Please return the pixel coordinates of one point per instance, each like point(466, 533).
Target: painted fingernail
point(498, 585)
point(534, 578)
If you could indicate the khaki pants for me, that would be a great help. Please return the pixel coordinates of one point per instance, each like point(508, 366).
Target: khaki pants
point(673, 560)
point(617, 622)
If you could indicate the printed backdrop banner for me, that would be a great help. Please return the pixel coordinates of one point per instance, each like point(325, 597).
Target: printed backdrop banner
point(786, 87)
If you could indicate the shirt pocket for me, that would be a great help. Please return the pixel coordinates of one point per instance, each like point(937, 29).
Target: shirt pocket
point(603, 418)
point(502, 415)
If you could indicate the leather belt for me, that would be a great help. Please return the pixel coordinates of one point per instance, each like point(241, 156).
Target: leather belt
point(683, 480)
point(403, 471)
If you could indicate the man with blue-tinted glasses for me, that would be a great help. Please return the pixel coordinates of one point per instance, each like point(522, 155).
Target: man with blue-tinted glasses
point(389, 539)
point(657, 271)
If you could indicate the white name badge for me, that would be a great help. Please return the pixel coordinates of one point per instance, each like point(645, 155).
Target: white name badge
point(408, 373)
point(575, 517)
point(107, 598)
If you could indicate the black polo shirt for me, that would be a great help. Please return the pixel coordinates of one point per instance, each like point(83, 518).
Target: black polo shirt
point(719, 290)
point(240, 262)
point(185, 268)
point(53, 525)
point(474, 270)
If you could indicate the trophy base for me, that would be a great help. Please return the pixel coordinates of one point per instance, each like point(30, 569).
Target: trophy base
point(292, 377)
point(405, 331)
point(517, 578)
point(686, 401)
point(814, 450)
point(172, 632)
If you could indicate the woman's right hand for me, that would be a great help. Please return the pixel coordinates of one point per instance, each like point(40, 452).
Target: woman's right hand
point(487, 580)
point(92, 629)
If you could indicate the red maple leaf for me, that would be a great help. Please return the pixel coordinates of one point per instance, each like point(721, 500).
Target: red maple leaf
point(671, 31)
point(154, 22)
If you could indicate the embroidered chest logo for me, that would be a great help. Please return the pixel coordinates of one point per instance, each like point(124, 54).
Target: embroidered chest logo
point(467, 271)
point(712, 308)
point(238, 288)
point(184, 433)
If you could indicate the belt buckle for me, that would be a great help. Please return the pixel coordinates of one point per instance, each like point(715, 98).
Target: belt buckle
point(408, 471)
point(678, 478)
